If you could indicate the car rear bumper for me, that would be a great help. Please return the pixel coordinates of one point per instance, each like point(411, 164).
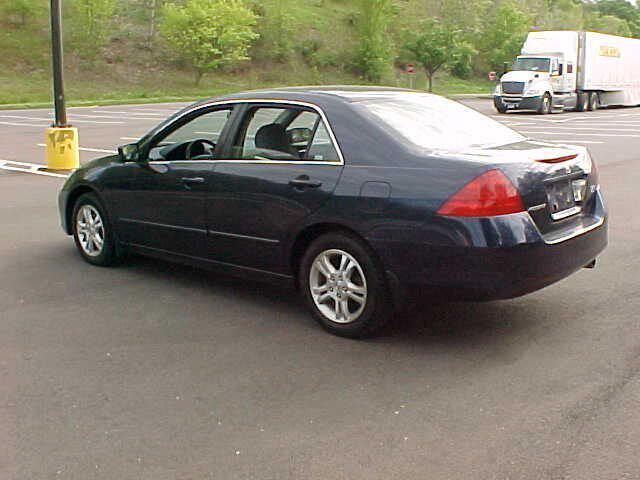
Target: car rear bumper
point(494, 258)
point(517, 102)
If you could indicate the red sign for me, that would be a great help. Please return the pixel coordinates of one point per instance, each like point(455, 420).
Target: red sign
point(410, 68)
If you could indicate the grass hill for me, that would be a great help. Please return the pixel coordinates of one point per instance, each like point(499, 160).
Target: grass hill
point(126, 67)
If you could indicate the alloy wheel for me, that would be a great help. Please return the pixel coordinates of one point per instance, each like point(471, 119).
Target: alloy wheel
point(338, 286)
point(90, 230)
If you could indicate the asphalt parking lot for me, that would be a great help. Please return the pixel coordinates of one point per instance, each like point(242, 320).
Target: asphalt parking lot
point(156, 371)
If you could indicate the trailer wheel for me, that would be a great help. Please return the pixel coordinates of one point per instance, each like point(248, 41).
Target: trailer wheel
point(594, 101)
point(583, 102)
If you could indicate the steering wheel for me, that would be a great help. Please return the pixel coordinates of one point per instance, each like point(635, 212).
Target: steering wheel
point(200, 146)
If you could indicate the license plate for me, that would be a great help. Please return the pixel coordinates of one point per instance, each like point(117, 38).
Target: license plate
point(560, 197)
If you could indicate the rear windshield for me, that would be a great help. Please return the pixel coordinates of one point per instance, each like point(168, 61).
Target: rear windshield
point(435, 123)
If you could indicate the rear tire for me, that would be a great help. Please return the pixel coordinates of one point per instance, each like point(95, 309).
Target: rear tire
point(594, 102)
point(344, 286)
point(92, 232)
point(583, 102)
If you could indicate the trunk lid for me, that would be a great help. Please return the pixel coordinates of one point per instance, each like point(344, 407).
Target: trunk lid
point(556, 182)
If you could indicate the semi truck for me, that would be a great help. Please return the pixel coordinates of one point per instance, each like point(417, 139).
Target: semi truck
point(571, 70)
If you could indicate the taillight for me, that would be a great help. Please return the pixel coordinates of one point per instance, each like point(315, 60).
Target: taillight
point(487, 195)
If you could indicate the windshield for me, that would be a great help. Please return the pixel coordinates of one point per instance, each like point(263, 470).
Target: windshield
point(531, 64)
point(436, 123)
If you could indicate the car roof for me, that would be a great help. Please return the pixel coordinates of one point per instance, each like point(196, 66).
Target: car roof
point(317, 94)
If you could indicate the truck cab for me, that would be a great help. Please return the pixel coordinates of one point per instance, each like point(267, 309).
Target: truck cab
point(540, 82)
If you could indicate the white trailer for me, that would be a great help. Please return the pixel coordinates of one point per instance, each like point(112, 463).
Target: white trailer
point(565, 70)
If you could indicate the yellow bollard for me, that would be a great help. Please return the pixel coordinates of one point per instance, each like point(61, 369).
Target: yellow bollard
point(62, 148)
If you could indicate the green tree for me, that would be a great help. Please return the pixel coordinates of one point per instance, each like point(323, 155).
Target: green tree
point(623, 10)
point(507, 27)
point(373, 55)
point(598, 22)
point(434, 45)
point(19, 12)
point(90, 26)
point(209, 34)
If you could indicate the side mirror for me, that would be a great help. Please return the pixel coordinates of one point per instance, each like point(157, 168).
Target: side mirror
point(129, 152)
point(299, 135)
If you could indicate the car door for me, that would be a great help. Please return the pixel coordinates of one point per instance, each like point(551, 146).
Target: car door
point(171, 183)
point(280, 165)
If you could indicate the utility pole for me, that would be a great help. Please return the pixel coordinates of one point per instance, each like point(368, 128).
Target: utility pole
point(61, 139)
point(57, 62)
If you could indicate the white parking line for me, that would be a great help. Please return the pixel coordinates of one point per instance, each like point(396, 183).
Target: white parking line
point(138, 112)
point(108, 111)
point(51, 119)
point(28, 168)
point(576, 141)
point(598, 129)
point(584, 134)
point(76, 115)
point(86, 149)
point(130, 138)
point(11, 124)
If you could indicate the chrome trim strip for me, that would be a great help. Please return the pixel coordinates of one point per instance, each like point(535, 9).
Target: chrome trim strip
point(240, 161)
point(575, 234)
point(535, 208)
point(276, 101)
point(566, 213)
point(243, 237)
point(162, 225)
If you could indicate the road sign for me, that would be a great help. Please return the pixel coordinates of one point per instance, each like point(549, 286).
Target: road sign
point(410, 68)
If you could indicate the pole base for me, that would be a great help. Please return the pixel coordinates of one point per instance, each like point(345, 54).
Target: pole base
point(62, 148)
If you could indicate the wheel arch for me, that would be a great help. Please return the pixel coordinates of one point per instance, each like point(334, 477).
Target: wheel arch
point(309, 233)
point(76, 193)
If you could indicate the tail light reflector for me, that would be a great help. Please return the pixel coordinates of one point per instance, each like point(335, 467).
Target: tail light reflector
point(487, 195)
point(558, 159)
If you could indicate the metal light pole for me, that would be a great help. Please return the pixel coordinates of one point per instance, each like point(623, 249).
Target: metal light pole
point(61, 139)
point(56, 60)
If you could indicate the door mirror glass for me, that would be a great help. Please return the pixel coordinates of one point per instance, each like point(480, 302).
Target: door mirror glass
point(129, 152)
point(299, 135)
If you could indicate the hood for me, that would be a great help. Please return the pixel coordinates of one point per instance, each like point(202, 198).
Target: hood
point(522, 76)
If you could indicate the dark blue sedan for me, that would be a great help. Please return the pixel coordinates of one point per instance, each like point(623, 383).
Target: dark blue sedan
point(358, 195)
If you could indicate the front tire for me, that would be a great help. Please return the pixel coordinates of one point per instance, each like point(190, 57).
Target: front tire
point(344, 286)
point(92, 232)
point(545, 105)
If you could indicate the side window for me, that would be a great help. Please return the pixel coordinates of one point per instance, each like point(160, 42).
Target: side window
point(195, 140)
point(207, 126)
point(569, 67)
point(322, 148)
point(283, 133)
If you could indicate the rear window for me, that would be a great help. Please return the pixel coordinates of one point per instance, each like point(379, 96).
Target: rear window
point(435, 123)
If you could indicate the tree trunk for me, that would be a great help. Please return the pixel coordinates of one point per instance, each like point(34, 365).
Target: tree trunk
point(198, 77)
point(430, 80)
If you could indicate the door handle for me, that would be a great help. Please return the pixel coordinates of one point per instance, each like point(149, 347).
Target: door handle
point(192, 180)
point(303, 181)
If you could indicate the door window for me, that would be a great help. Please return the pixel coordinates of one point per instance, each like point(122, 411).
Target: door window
point(283, 133)
point(194, 140)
